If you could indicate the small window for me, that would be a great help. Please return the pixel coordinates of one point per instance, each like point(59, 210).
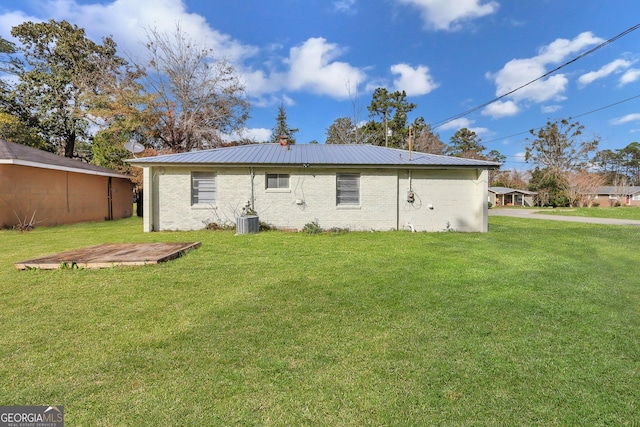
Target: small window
point(203, 188)
point(613, 197)
point(347, 189)
point(636, 197)
point(277, 180)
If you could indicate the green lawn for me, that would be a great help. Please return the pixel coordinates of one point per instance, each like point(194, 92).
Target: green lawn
point(533, 323)
point(621, 212)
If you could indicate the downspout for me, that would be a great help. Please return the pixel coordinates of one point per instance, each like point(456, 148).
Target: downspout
point(253, 199)
point(397, 199)
point(110, 200)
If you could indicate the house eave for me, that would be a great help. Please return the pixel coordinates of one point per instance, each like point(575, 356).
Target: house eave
point(309, 166)
point(27, 163)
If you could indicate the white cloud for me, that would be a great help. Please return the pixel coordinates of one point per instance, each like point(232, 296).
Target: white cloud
point(630, 76)
point(254, 134)
point(344, 6)
point(626, 119)
point(479, 131)
point(448, 14)
point(11, 19)
point(520, 157)
point(456, 124)
point(550, 108)
point(312, 68)
point(560, 49)
point(519, 72)
point(501, 109)
point(127, 22)
point(604, 71)
point(415, 81)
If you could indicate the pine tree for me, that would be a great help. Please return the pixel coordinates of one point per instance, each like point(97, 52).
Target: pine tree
point(282, 128)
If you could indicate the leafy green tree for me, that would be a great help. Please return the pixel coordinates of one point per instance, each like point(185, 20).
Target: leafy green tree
point(629, 157)
point(57, 70)
point(559, 151)
point(282, 128)
point(608, 162)
point(392, 110)
point(496, 156)
point(558, 147)
point(466, 143)
point(549, 187)
point(13, 130)
point(6, 46)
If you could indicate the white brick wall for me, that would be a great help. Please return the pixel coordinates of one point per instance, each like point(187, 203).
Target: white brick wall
point(458, 197)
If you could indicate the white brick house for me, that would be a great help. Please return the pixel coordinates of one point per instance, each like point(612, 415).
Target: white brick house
point(360, 187)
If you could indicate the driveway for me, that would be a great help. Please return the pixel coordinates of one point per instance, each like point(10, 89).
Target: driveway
point(532, 214)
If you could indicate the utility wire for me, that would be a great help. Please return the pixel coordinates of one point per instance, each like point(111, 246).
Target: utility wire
point(570, 118)
point(600, 46)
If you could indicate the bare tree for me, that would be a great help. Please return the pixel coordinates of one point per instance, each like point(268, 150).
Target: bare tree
point(512, 178)
point(426, 141)
point(199, 96)
point(622, 190)
point(580, 187)
point(341, 131)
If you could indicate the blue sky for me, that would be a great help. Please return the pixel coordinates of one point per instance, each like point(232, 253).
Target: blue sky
point(319, 57)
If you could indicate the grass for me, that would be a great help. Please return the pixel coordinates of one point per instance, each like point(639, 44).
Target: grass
point(620, 212)
point(533, 323)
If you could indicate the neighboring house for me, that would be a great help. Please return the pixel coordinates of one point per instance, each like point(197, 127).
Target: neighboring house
point(57, 189)
point(359, 187)
point(502, 196)
point(612, 195)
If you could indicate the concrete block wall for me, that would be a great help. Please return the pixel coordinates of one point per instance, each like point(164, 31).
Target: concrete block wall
point(444, 200)
point(458, 198)
point(311, 196)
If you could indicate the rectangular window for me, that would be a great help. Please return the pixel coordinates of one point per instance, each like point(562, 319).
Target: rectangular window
point(277, 180)
point(613, 197)
point(347, 189)
point(203, 188)
point(636, 197)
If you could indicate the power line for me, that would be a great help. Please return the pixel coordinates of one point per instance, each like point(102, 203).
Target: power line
point(600, 46)
point(570, 118)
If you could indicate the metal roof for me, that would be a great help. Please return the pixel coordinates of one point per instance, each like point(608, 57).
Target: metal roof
point(618, 190)
point(505, 190)
point(19, 154)
point(312, 155)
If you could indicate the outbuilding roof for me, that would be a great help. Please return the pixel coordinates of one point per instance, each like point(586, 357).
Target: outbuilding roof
point(313, 155)
point(23, 155)
point(618, 190)
point(506, 190)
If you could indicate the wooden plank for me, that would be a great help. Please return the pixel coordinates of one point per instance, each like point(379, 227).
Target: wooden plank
point(111, 254)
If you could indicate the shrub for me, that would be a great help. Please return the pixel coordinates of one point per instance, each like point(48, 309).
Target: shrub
point(266, 227)
point(312, 227)
point(214, 226)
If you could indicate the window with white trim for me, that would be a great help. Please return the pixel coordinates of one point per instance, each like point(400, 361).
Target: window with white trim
point(203, 188)
point(636, 196)
point(277, 181)
point(347, 189)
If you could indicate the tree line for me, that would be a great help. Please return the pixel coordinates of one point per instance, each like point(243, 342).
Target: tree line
point(78, 98)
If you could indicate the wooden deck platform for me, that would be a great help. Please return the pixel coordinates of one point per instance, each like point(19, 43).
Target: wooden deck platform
point(110, 255)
